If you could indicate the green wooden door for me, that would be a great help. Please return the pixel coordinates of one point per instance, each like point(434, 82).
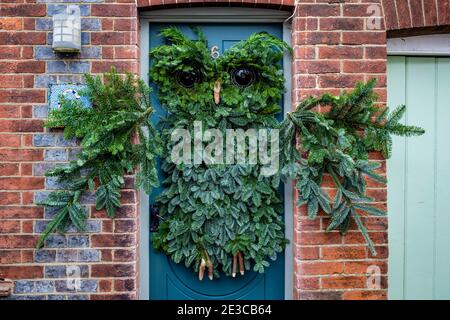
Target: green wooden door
point(419, 181)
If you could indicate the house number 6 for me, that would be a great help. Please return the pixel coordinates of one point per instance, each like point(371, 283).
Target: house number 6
point(215, 52)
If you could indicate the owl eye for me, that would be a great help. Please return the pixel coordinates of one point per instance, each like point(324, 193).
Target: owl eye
point(187, 79)
point(243, 76)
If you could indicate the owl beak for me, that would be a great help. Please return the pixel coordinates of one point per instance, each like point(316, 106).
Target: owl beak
point(217, 88)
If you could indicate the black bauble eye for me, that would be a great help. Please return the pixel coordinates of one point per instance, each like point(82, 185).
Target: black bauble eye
point(187, 79)
point(243, 76)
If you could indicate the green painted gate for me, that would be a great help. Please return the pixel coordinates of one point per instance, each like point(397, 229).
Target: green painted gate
point(419, 180)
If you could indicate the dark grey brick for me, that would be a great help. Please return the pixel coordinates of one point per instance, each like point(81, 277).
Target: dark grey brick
point(56, 241)
point(67, 66)
point(88, 286)
point(45, 24)
point(67, 256)
point(24, 286)
point(56, 297)
point(90, 255)
point(68, 285)
point(41, 195)
point(73, 154)
point(61, 142)
point(51, 183)
point(52, 9)
point(55, 271)
point(44, 286)
point(78, 297)
point(44, 140)
point(44, 80)
point(45, 255)
point(40, 111)
point(91, 24)
point(78, 241)
point(50, 212)
point(39, 169)
point(91, 226)
point(70, 78)
point(55, 155)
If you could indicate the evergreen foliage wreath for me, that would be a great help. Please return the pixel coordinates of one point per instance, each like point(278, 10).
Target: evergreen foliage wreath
point(120, 111)
point(222, 217)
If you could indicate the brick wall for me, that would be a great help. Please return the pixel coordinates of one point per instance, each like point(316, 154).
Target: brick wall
point(105, 256)
point(334, 46)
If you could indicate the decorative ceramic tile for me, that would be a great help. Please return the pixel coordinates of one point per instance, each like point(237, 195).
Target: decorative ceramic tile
point(69, 91)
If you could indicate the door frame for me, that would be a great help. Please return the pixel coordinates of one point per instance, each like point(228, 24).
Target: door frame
point(215, 15)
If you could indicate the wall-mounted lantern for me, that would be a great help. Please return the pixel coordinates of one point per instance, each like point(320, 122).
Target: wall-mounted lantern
point(67, 30)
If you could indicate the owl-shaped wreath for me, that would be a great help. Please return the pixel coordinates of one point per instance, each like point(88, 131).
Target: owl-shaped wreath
point(219, 216)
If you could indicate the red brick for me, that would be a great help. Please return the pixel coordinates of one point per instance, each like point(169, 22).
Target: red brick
point(19, 38)
point(17, 241)
point(9, 169)
point(343, 252)
point(111, 240)
point(124, 285)
point(9, 226)
point(376, 52)
point(10, 256)
point(10, 23)
point(113, 10)
point(329, 66)
point(112, 270)
point(22, 67)
point(121, 66)
point(9, 52)
point(125, 52)
point(307, 253)
point(365, 66)
point(9, 140)
point(343, 282)
point(357, 238)
point(330, 24)
point(365, 294)
point(320, 295)
point(16, 183)
point(319, 37)
point(357, 10)
point(364, 38)
point(20, 154)
point(340, 52)
point(310, 238)
point(23, 10)
point(443, 12)
point(404, 15)
point(21, 272)
point(124, 255)
point(390, 14)
point(21, 125)
point(105, 285)
point(124, 211)
point(17, 212)
point(125, 24)
point(7, 198)
point(27, 226)
point(125, 226)
point(339, 81)
point(417, 13)
point(317, 10)
point(308, 283)
point(23, 96)
point(326, 268)
point(8, 111)
point(431, 16)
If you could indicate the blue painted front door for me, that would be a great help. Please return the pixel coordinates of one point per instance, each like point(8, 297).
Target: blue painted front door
point(175, 282)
